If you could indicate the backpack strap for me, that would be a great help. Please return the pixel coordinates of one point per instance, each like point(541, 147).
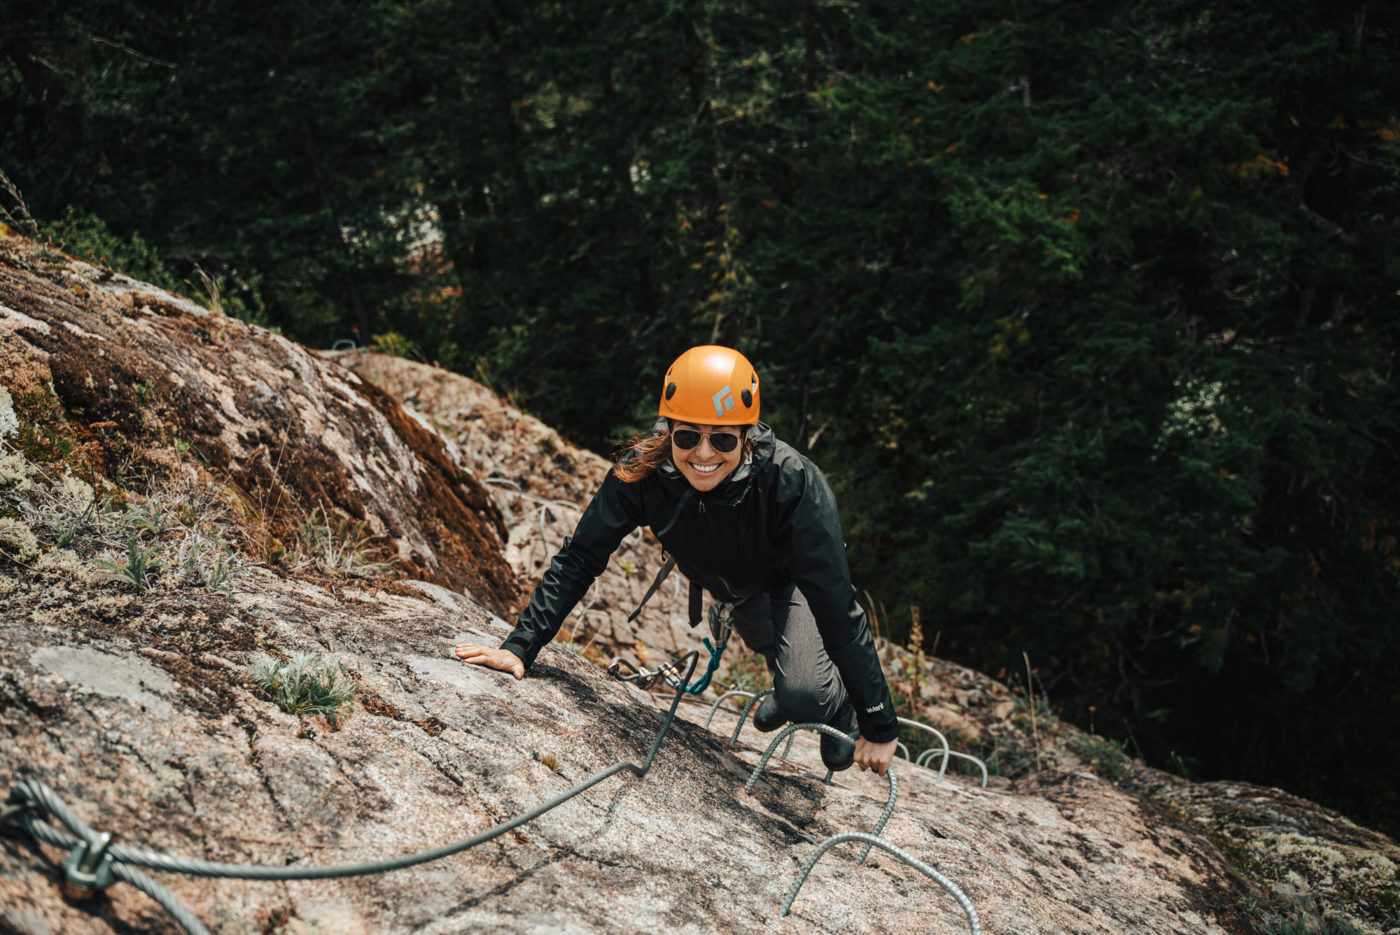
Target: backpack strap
point(666, 569)
point(697, 604)
point(697, 595)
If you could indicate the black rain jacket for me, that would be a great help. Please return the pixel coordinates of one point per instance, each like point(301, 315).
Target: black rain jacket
point(773, 520)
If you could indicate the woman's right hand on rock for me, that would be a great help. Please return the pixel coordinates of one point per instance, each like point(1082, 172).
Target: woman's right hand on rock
point(502, 659)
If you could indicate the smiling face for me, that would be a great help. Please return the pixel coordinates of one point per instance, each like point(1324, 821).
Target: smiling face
point(704, 466)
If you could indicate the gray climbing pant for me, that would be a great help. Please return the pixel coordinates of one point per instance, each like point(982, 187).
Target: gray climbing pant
point(779, 626)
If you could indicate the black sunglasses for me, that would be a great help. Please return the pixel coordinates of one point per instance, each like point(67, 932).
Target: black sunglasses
point(723, 442)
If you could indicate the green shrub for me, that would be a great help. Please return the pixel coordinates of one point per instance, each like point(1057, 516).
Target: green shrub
point(308, 683)
point(89, 238)
point(1103, 756)
point(748, 673)
point(1011, 762)
point(393, 343)
point(150, 517)
point(1307, 925)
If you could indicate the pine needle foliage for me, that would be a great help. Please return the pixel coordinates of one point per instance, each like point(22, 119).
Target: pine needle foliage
point(1087, 310)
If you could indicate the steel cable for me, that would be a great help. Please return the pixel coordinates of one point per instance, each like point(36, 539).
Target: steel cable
point(38, 792)
point(120, 862)
point(974, 923)
point(36, 795)
point(747, 708)
point(931, 753)
point(834, 732)
point(729, 694)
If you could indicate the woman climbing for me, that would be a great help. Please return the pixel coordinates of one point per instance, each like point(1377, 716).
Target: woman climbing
point(754, 523)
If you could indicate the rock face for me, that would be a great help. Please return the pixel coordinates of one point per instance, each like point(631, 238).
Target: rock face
point(140, 721)
point(1300, 854)
point(136, 374)
point(133, 702)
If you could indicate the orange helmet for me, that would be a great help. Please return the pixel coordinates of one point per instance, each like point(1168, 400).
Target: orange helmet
point(710, 385)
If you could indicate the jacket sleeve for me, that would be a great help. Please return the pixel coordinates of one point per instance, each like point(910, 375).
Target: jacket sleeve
point(614, 511)
point(808, 519)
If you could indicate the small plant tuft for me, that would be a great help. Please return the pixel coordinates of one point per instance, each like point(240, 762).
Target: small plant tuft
point(548, 759)
point(308, 683)
point(1103, 756)
point(140, 563)
point(150, 518)
point(340, 546)
point(24, 222)
point(1305, 925)
point(213, 569)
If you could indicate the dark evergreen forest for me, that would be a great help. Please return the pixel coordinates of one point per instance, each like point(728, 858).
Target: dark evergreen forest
point(1088, 310)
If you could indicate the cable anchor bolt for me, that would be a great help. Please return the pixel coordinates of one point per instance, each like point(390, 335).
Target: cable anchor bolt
point(88, 868)
point(615, 670)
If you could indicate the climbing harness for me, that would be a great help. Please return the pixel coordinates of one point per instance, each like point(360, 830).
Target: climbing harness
point(721, 627)
point(666, 568)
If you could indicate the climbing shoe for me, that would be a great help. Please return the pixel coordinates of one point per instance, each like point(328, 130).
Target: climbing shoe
point(768, 716)
point(839, 754)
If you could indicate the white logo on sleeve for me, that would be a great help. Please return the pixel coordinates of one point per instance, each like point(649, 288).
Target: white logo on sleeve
point(878, 707)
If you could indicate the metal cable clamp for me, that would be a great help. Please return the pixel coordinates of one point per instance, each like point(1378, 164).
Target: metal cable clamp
point(87, 869)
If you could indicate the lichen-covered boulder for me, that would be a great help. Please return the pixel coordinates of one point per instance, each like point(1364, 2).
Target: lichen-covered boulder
point(138, 379)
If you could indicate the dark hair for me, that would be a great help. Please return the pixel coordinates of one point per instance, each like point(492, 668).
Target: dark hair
point(645, 454)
